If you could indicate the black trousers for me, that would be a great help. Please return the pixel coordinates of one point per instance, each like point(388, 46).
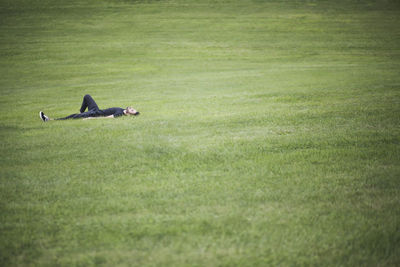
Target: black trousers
point(89, 103)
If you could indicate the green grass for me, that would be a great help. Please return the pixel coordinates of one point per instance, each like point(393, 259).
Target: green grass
point(269, 134)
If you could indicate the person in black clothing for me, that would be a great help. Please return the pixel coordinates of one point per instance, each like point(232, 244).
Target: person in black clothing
point(94, 111)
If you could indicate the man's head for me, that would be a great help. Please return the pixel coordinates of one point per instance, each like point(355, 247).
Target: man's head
point(131, 111)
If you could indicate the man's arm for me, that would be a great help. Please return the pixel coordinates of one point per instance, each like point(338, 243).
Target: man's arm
point(109, 117)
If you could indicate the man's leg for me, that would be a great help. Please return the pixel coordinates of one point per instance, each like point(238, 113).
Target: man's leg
point(88, 102)
point(80, 116)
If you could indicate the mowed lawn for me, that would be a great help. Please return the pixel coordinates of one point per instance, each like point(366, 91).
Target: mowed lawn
point(269, 133)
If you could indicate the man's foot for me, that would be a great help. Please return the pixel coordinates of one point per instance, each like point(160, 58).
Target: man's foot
point(43, 117)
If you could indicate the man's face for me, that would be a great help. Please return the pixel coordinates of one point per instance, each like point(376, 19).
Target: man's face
point(132, 111)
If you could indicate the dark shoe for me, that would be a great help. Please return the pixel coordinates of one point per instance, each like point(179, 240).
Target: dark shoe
point(43, 117)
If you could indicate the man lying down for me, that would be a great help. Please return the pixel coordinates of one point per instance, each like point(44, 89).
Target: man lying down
point(94, 111)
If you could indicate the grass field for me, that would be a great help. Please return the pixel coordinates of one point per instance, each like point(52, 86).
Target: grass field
point(269, 133)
